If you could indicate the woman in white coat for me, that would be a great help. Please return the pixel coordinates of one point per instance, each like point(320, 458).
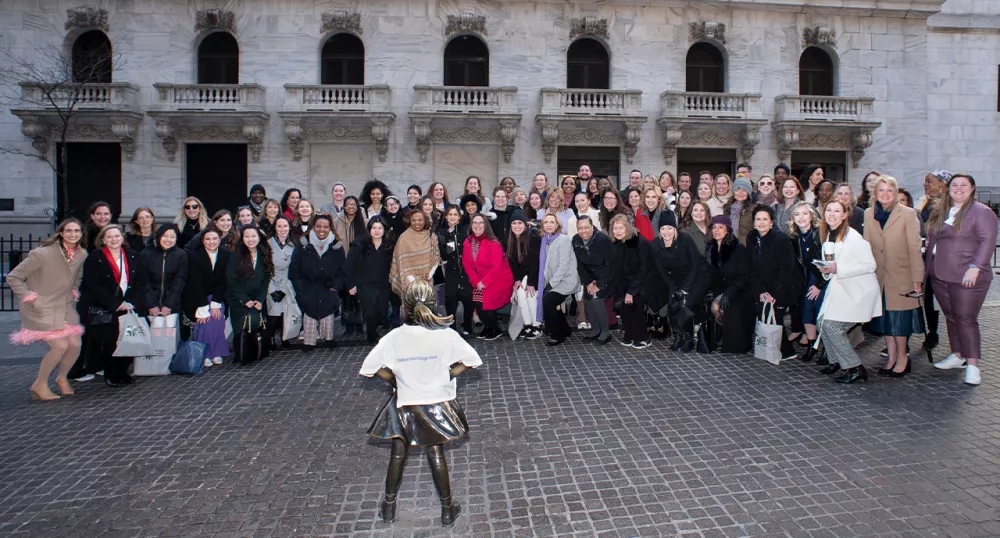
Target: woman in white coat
point(279, 291)
point(853, 294)
point(559, 277)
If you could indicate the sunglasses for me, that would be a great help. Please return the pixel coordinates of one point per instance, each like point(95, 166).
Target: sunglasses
point(192, 206)
point(762, 183)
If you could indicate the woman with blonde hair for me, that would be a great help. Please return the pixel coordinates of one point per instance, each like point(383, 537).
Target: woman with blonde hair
point(191, 219)
point(803, 230)
point(636, 283)
point(555, 204)
point(47, 284)
point(304, 214)
point(721, 193)
point(558, 278)
point(893, 231)
point(268, 215)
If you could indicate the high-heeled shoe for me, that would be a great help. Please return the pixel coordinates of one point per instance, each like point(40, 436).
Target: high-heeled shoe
point(831, 369)
point(858, 373)
point(894, 373)
point(64, 387)
point(43, 397)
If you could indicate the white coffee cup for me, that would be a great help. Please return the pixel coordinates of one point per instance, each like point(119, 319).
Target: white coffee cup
point(828, 251)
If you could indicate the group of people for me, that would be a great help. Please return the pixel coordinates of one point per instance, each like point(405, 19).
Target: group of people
point(668, 255)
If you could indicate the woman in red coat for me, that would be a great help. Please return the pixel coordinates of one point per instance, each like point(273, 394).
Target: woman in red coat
point(489, 274)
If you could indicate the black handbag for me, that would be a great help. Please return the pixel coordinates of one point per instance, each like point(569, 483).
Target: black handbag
point(277, 296)
point(251, 339)
point(97, 315)
point(352, 313)
point(705, 342)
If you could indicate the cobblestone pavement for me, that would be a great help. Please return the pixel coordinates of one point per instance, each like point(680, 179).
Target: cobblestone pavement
point(575, 440)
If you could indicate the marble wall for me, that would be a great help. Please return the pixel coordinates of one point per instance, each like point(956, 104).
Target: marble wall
point(886, 56)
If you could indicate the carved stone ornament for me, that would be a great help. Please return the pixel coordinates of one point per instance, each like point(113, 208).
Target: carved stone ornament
point(422, 130)
point(87, 17)
point(819, 35)
point(589, 26)
point(624, 132)
point(215, 19)
point(788, 138)
point(341, 21)
point(252, 130)
point(299, 131)
point(672, 136)
point(749, 138)
point(712, 30)
point(860, 141)
point(550, 133)
point(465, 23)
point(508, 134)
point(40, 134)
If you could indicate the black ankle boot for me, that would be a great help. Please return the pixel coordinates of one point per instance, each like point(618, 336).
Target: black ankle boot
point(810, 353)
point(678, 340)
point(852, 375)
point(449, 512)
point(831, 369)
point(387, 510)
point(688, 346)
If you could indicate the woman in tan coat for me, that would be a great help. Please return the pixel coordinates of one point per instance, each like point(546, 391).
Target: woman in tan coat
point(46, 282)
point(893, 231)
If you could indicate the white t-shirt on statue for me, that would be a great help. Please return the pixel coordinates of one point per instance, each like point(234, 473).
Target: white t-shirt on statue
point(420, 359)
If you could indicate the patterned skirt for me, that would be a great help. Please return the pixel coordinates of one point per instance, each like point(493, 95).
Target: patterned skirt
point(420, 425)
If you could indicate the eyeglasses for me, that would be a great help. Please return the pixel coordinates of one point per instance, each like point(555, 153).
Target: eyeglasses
point(763, 183)
point(191, 206)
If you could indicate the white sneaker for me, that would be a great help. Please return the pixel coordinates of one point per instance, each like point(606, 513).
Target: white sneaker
point(208, 362)
point(101, 373)
point(87, 377)
point(951, 361)
point(972, 376)
point(217, 360)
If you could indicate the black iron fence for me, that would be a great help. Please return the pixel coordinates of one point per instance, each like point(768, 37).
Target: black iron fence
point(12, 251)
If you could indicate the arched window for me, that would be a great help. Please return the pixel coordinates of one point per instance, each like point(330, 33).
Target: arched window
point(815, 72)
point(343, 60)
point(706, 69)
point(92, 57)
point(587, 65)
point(466, 62)
point(219, 59)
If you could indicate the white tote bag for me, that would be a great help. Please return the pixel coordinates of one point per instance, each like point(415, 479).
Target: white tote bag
point(767, 336)
point(164, 336)
point(133, 337)
point(291, 320)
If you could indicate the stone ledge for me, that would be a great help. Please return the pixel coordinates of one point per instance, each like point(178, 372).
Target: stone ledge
point(943, 22)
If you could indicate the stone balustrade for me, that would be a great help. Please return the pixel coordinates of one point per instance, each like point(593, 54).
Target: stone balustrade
point(209, 97)
point(591, 102)
point(337, 98)
point(710, 105)
point(112, 97)
point(465, 99)
point(823, 108)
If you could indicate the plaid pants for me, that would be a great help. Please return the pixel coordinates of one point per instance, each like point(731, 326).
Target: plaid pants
point(838, 344)
point(317, 329)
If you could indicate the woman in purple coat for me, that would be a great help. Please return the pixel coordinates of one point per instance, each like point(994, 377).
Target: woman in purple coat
point(961, 235)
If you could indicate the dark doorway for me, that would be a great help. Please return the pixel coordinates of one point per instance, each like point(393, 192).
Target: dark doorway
point(343, 60)
point(92, 58)
point(217, 175)
point(604, 161)
point(815, 72)
point(93, 173)
point(697, 160)
point(587, 65)
point(706, 69)
point(219, 59)
point(834, 163)
point(466, 62)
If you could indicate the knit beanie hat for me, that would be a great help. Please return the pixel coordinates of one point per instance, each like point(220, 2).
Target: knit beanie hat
point(742, 183)
point(723, 220)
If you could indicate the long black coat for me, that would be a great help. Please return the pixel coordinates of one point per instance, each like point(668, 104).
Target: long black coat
point(203, 281)
point(240, 289)
point(634, 273)
point(528, 267)
point(99, 288)
point(318, 279)
point(189, 229)
point(166, 275)
point(774, 268)
point(731, 267)
point(367, 269)
point(594, 262)
point(456, 281)
point(501, 224)
point(682, 267)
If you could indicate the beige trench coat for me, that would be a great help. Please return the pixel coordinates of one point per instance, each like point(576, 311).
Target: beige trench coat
point(897, 255)
point(46, 273)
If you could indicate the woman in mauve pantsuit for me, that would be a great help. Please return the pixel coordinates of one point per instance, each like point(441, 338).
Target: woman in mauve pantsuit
point(961, 236)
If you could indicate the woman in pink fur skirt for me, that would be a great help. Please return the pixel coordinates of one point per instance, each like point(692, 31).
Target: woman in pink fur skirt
point(46, 283)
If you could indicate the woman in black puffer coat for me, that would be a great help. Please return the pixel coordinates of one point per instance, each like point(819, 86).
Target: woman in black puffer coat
point(733, 302)
point(687, 275)
point(318, 274)
point(457, 289)
point(635, 280)
point(166, 267)
point(368, 275)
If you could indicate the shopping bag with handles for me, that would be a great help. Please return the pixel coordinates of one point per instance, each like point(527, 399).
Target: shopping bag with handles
point(767, 336)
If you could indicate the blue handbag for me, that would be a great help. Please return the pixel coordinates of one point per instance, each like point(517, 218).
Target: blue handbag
point(190, 356)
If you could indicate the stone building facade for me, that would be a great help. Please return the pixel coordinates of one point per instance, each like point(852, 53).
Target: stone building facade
point(913, 84)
